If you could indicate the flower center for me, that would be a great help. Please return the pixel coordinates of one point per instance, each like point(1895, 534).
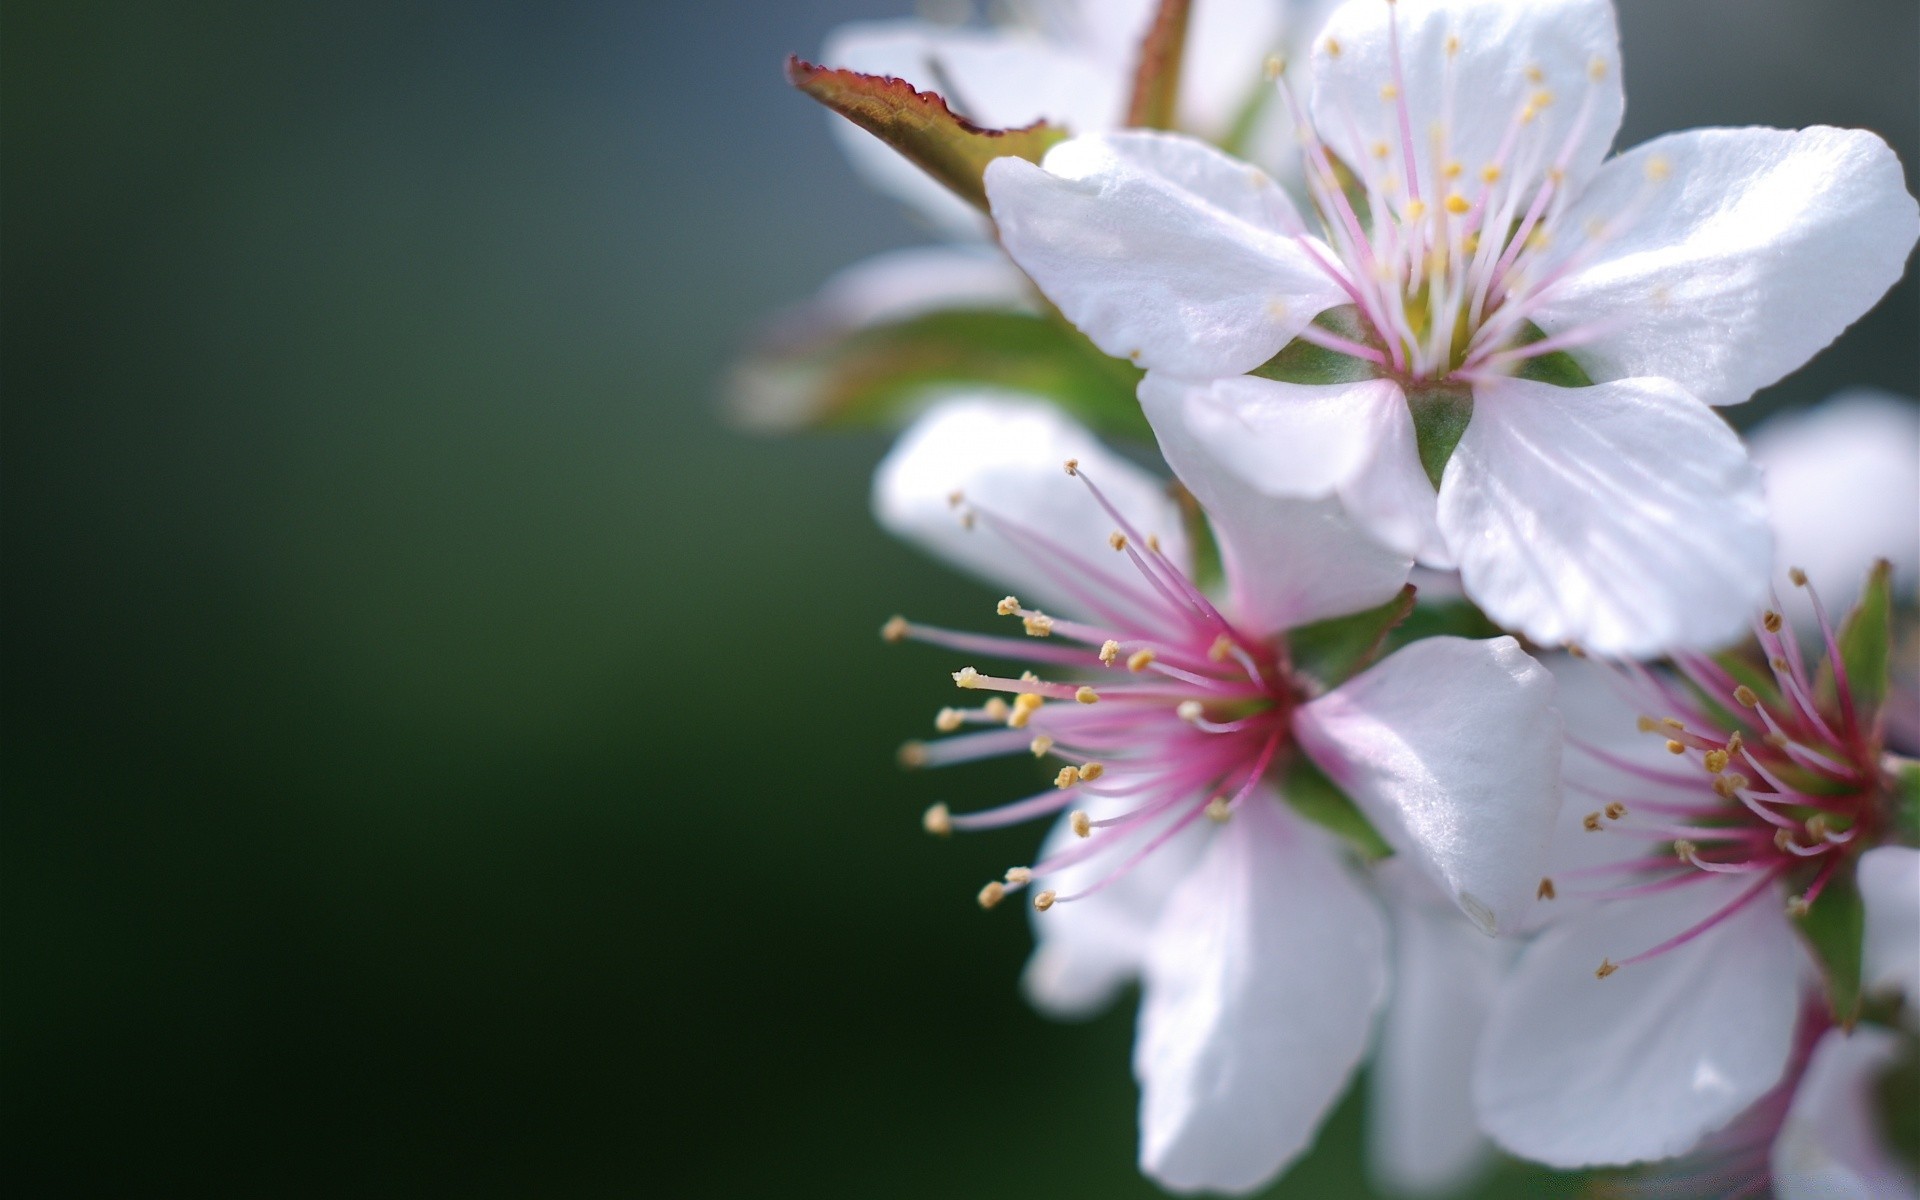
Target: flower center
point(1158, 709)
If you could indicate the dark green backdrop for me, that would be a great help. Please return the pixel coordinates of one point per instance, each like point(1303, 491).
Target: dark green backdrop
point(441, 759)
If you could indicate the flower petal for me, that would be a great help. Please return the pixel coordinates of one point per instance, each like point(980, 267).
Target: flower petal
point(1422, 1139)
point(1890, 885)
point(1625, 516)
point(1000, 79)
point(1261, 988)
point(1752, 250)
point(1843, 489)
point(1162, 250)
point(1452, 748)
point(1288, 561)
point(1828, 1148)
point(1470, 68)
point(1004, 453)
point(1579, 1071)
point(1086, 951)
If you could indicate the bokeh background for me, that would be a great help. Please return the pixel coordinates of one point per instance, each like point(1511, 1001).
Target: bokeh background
point(441, 758)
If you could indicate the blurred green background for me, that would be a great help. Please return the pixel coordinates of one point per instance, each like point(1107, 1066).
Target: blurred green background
point(443, 759)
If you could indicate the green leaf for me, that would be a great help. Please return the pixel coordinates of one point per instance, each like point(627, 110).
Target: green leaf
point(1556, 367)
point(1334, 650)
point(1303, 362)
point(1834, 927)
point(879, 376)
point(1866, 642)
point(1440, 415)
point(1156, 78)
point(921, 127)
point(1315, 797)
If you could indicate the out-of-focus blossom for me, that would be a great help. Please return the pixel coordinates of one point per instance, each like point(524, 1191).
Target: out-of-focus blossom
point(1176, 717)
point(1500, 347)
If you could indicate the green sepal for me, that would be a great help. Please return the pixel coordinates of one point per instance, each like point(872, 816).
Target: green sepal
point(1315, 797)
point(1899, 1104)
point(1834, 927)
point(1866, 643)
point(1555, 367)
point(1156, 78)
point(922, 128)
point(1303, 362)
point(1334, 650)
point(1442, 618)
point(881, 375)
point(1440, 415)
point(1906, 804)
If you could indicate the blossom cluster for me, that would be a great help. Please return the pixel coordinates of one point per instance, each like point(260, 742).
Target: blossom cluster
point(1422, 672)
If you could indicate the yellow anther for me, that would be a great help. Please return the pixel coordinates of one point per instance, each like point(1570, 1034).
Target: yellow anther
point(1117, 540)
point(1080, 822)
point(1557, 175)
point(1218, 810)
point(1188, 710)
point(1092, 771)
point(1778, 664)
point(1777, 740)
point(1019, 876)
point(1527, 114)
point(992, 894)
point(1024, 706)
point(1457, 204)
point(1729, 785)
point(1389, 92)
point(1490, 173)
point(1109, 651)
point(1771, 620)
point(1597, 69)
point(1734, 744)
point(1087, 695)
point(1541, 99)
point(1673, 723)
point(1539, 240)
point(1605, 969)
point(1716, 761)
point(1615, 810)
point(895, 630)
point(967, 519)
point(1416, 209)
point(1040, 745)
point(1221, 648)
point(1037, 625)
point(1782, 838)
point(1684, 850)
point(1008, 606)
point(1029, 677)
point(949, 719)
point(1275, 67)
point(1535, 75)
point(956, 498)
point(1674, 747)
point(937, 821)
point(1658, 168)
point(966, 677)
point(1073, 466)
point(1817, 826)
point(1333, 47)
point(995, 709)
point(1745, 697)
point(1646, 724)
point(1140, 660)
point(1591, 822)
point(1798, 577)
point(1453, 44)
point(913, 754)
point(1797, 906)
point(1067, 777)
point(1043, 901)
point(1473, 247)
point(1451, 169)
point(1380, 150)
point(1545, 890)
point(1153, 542)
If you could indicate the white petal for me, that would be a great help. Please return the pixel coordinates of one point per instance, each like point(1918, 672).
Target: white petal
point(1625, 516)
point(1162, 250)
point(1086, 951)
point(1005, 454)
point(1890, 885)
point(1422, 1139)
point(1288, 562)
point(1452, 748)
point(1843, 489)
point(1261, 987)
point(1828, 1147)
point(1754, 252)
point(1508, 55)
point(1001, 79)
point(1579, 1071)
